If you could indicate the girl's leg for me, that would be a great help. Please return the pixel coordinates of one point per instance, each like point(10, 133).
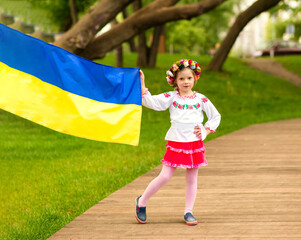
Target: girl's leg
point(191, 188)
point(164, 176)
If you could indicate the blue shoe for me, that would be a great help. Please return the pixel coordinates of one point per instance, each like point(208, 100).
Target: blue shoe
point(140, 212)
point(189, 219)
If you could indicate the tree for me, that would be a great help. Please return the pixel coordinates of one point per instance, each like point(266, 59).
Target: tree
point(147, 55)
point(80, 39)
point(73, 11)
point(241, 21)
point(132, 40)
point(154, 14)
point(83, 32)
point(201, 33)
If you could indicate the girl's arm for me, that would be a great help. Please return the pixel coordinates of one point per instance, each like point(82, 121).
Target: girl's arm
point(158, 102)
point(213, 115)
point(214, 118)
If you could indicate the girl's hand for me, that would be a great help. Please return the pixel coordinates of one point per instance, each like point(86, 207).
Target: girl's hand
point(143, 88)
point(208, 132)
point(197, 131)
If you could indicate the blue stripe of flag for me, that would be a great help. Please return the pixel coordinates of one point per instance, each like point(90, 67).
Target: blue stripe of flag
point(68, 71)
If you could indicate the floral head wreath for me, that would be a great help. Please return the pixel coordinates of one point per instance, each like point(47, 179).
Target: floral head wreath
point(178, 66)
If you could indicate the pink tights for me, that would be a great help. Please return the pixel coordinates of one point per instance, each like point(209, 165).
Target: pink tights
point(164, 176)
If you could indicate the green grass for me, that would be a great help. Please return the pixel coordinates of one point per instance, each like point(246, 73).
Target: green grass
point(292, 63)
point(48, 178)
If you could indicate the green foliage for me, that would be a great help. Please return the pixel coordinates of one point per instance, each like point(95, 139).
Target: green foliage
point(199, 34)
point(186, 36)
point(277, 27)
point(50, 15)
point(297, 24)
point(23, 10)
point(291, 6)
point(60, 12)
point(274, 30)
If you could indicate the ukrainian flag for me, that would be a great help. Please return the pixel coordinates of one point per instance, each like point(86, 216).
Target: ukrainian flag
point(59, 90)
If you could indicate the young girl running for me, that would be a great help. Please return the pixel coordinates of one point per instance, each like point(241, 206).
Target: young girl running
point(185, 137)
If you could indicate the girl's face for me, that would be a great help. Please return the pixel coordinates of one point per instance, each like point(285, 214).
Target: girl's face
point(185, 81)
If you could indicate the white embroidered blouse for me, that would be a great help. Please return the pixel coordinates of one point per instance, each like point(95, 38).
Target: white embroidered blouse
point(185, 114)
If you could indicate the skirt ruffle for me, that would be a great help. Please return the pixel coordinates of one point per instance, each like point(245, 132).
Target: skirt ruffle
point(185, 155)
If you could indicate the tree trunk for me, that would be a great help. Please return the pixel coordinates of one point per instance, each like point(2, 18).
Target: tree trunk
point(146, 55)
point(241, 21)
point(142, 48)
point(162, 41)
point(73, 11)
point(155, 14)
point(131, 41)
point(82, 33)
point(155, 45)
point(118, 50)
point(119, 56)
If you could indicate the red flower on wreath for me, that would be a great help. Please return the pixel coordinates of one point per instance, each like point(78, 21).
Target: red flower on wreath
point(174, 104)
point(198, 105)
point(190, 107)
point(180, 106)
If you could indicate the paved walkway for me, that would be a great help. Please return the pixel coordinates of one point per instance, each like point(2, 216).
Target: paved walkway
point(251, 189)
point(274, 68)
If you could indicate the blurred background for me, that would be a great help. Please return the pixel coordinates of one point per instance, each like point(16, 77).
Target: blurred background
point(276, 31)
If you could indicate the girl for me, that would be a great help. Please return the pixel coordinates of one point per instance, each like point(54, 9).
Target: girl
point(185, 137)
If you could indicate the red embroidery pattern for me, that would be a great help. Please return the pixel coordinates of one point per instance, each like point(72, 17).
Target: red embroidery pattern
point(205, 100)
point(186, 106)
point(146, 92)
point(166, 95)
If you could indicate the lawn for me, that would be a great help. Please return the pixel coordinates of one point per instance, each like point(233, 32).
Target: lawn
point(292, 63)
point(48, 178)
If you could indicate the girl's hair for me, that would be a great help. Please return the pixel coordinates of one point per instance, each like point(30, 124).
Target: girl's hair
point(178, 66)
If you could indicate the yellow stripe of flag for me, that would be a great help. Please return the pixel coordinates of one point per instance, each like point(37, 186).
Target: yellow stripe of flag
point(29, 97)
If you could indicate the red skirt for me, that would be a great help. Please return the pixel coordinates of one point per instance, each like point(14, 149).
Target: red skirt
point(185, 155)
